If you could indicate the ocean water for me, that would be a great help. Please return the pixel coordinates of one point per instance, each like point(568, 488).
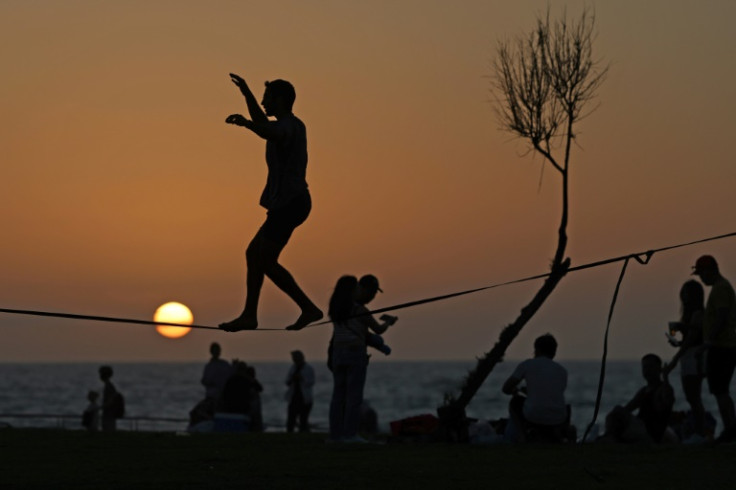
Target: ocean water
point(395, 389)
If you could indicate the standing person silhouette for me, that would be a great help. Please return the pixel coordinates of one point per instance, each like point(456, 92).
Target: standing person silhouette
point(719, 336)
point(300, 381)
point(690, 353)
point(351, 324)
point(285, 196)
point(110, 396)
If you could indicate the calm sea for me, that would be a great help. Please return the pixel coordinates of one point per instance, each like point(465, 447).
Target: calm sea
point(395, 389)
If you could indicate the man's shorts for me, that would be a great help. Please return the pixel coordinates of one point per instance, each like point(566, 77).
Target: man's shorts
point(720, 364)
point(281, 223)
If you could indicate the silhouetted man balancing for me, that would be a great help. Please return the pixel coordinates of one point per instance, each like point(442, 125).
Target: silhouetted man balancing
point(286, 198)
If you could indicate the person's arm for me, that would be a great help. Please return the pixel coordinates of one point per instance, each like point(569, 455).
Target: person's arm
point(308, 376)
point(108, 394)
point(665, 396)
point(635, 402)
point(367, 319)
point(509, 387)
point(519, 374)
point(258, 122)
point(290, 376)
point(206, 377)
point(690, 340)
point(268, 130)
point(254, 109)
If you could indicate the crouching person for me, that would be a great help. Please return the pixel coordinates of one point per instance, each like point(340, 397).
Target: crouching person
point(538, 411)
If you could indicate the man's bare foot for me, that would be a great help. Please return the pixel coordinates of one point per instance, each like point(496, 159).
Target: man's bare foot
point(240, 323)
point(307, 317)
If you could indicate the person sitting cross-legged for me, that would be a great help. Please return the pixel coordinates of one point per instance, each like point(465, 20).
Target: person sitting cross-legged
point(543, 413)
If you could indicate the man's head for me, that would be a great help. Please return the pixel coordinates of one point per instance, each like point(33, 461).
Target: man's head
point(367, 289)
point(105, 373)
point(651, 367)
point(706, 268)
point(215, 350)
point(546, 346)
point(278, 98)
point(298, 357)
point(240, 367)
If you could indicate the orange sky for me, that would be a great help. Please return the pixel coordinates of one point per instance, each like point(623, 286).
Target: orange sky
point(123, 188)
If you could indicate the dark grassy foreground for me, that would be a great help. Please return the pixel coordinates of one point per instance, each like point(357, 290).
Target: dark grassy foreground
point(59, 459)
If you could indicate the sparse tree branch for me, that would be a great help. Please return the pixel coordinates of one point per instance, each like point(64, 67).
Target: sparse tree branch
point(542, 84)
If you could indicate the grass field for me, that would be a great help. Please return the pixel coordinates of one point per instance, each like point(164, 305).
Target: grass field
point(61, 459)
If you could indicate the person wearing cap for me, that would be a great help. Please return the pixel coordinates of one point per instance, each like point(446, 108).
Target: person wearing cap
point(300, 381)
point(285, 197)
point(719, 334)
point(367, 289)
point(348, 352)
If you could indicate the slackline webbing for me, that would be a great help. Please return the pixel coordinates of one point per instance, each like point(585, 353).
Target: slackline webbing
point(602, 376)
point(641, 257)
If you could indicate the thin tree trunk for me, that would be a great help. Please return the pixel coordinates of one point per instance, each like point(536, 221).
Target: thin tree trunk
point(452, 414)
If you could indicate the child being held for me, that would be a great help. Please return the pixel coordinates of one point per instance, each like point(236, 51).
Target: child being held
point(91, 415)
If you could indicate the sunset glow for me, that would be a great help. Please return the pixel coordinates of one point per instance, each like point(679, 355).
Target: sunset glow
point(123, 186)
point(173, 312)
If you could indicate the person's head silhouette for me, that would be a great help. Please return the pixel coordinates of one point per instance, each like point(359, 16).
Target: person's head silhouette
point(368, 288)
point(279, 97)
point(215, 350)
point(105, 373)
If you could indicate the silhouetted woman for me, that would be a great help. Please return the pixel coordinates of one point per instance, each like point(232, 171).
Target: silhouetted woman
point(690, 353)
point(349, 359)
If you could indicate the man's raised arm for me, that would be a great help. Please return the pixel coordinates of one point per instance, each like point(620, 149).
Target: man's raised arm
point(254, 108)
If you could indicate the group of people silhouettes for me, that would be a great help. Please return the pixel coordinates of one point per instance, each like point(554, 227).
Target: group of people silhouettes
point(232, 396)
point(704, 335)
point(706, 349)
point(354, 330)
point(232, 389)
point(104, 415)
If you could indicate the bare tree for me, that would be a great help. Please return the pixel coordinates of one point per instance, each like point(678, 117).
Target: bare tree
point(543, 83)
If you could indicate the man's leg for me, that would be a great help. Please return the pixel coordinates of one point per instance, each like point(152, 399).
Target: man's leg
point(720, 371)
point(726, 408)
point(248, 319)
point(304, 417)
point(268, 260)
point(291, 416)
point(516, 417)
point(337, 402)
point(262, 259)
point(691, 386)
point(354, 397)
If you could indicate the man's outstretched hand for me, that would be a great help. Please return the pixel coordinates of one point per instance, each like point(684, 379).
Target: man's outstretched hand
point(240, 82)
point(236, 119)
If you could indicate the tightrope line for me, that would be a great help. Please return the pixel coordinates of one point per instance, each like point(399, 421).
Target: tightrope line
point(640, 257)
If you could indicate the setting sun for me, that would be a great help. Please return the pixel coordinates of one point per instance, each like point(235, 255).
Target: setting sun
point(173, 312)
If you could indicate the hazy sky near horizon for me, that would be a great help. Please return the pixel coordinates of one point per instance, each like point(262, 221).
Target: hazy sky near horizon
point(123, 188)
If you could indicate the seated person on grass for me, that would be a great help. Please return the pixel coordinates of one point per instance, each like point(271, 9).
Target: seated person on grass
point(543, 410)
point(655, 400)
